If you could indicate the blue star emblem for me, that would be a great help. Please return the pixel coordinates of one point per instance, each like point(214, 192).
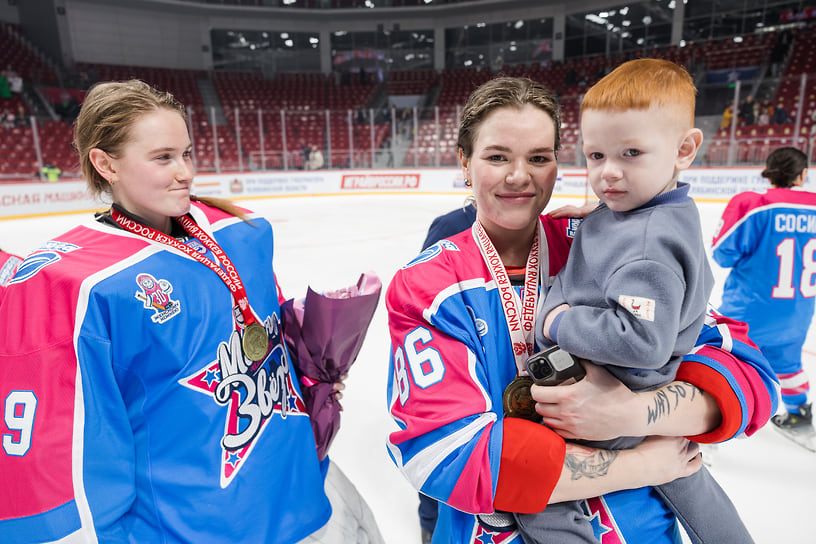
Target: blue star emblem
point(485, 537)
point(233, 459)
point(598, 528)
point(212, 376)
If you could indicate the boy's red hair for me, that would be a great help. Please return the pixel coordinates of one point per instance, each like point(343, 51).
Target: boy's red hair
point(639, 84)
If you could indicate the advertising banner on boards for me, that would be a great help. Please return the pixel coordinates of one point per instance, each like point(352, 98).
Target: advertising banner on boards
point(37, 198)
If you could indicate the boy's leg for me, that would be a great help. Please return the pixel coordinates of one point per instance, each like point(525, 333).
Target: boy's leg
point(351, 519)
point(704, 510)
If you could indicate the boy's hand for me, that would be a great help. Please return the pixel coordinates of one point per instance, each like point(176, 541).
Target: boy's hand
point(573, 211)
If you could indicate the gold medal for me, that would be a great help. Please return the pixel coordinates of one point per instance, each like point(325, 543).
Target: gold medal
point(517, 400)
point(255, 342)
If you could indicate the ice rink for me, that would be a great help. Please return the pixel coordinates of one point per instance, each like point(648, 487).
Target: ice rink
point(326, 242)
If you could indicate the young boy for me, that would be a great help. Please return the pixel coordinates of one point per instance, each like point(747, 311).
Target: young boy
point(633, 294)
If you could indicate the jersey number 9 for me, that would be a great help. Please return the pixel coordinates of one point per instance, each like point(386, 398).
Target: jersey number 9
point(18, 413)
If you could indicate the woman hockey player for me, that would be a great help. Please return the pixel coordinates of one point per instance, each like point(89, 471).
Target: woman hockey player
point(461, 317)
point(146, 382)
point(768, 239)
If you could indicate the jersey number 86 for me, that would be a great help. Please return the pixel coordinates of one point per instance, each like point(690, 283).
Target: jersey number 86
point(425, 364)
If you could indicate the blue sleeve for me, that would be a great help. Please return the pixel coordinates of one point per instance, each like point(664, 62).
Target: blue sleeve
point(449, 224)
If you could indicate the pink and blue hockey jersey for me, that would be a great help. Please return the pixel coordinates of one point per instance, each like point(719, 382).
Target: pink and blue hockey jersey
point(451, 361)
point(130, 411)
point(768, 239)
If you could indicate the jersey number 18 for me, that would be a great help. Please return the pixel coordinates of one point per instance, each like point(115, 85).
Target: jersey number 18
point(786, 252)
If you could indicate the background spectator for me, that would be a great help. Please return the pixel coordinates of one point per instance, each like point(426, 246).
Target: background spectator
point(746, 111)
point(315, 158)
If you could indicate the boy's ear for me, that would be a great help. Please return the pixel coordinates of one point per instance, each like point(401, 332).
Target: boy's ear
point(689, 146)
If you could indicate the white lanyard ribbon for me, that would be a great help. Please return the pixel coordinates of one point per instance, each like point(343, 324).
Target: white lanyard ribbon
point(519, 314)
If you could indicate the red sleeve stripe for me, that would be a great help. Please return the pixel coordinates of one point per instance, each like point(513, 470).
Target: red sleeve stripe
point(532, 459)
point(716, 385)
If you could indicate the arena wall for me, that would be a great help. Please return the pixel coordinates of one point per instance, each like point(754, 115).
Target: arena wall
point(38, 198)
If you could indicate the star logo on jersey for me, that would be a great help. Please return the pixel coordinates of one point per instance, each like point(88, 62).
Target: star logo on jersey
point(486, 536)
point(603, 524)
point(253, 393)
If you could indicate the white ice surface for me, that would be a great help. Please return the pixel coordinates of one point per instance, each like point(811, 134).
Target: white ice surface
point(326, 242)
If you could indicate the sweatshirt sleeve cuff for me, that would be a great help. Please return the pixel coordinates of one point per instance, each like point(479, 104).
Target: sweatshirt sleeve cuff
point(554, 327)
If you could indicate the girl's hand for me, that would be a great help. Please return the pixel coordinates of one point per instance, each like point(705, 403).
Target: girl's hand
point(590, 472)
point(338, 388)
point(599, 407)
point(666, 458)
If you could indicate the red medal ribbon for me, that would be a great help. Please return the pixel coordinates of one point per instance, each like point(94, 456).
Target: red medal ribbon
point(228, 274)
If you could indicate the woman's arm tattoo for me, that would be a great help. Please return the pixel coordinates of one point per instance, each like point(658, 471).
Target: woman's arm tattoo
point(588, 463)
point(669, 398)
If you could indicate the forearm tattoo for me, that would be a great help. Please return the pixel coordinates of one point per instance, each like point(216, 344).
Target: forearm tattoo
point(668, 399)
point(588, 463)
